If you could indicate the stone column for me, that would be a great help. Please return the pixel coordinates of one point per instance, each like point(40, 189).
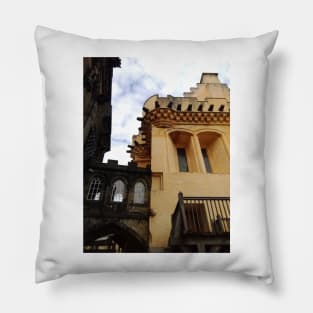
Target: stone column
point(198, 154)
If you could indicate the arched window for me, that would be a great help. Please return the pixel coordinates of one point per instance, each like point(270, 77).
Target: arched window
point(94, 192)
point(183, 147)
point(214, 153)
point(139, 193)
point(118, 191)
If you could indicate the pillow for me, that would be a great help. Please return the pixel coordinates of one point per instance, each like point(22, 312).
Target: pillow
point(147, 170)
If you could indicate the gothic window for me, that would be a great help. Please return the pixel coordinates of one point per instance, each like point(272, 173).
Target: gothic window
point(118, 191)
point(139, 193)
point(94, 192)
point(183, 148)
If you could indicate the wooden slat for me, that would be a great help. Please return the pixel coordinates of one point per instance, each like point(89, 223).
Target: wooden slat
point(205, 214)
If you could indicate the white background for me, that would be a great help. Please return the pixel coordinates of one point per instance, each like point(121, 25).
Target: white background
point(288, 153)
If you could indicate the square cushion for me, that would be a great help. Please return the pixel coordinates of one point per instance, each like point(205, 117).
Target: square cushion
point(190, 193)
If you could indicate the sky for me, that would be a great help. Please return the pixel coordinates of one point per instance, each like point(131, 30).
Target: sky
point(134, 82)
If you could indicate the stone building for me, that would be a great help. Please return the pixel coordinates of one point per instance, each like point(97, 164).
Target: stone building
point(98, 74)
point(174, 195)
point(185, 141)
point(116, 197)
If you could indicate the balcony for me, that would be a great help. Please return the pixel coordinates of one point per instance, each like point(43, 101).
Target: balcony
point(200, 224)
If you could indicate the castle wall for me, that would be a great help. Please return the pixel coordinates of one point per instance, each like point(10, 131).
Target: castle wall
point(167, 181)
point(186, 141)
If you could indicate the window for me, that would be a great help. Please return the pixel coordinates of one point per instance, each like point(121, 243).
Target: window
point(182, 160)
point(139, 193)
point(214, 153)
point(118, 191)
point(206, 160)
point(182, 146)
point(94, 192)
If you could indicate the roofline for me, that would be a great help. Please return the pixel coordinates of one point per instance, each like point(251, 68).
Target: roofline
point(207, 73)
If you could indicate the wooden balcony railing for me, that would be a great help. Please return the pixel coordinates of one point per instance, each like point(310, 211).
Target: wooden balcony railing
point(202, 215)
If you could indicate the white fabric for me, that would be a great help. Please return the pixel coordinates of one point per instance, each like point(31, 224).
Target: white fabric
point(60, 250)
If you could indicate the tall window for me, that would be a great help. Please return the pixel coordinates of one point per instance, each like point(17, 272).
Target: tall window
point(214, 153)
point(139, 193)
point(182, 160)
point(94, 192)
point(118, 191)
point(182, 145)
point(206, 160)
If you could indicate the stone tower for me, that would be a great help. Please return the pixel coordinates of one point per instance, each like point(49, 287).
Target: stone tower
point(116, 197)
point(186, 141)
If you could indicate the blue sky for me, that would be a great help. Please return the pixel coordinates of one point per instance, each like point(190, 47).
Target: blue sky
point(136, 81)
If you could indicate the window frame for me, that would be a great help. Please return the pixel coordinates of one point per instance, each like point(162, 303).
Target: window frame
point(183, 168)
point(206, 160)
point(143, 195)
point(123, 193)
point(95, 187)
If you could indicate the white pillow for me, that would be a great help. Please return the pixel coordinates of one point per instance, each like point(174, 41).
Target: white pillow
point(163, 67)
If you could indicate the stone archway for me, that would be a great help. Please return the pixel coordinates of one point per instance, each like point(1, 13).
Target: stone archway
point(113, 237)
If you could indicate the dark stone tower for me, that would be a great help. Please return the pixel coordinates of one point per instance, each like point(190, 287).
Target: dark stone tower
point(98, 74)
point(116, 197)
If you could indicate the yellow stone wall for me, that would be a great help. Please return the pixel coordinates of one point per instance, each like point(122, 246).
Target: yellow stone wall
point(198, 120)
point(167, 181)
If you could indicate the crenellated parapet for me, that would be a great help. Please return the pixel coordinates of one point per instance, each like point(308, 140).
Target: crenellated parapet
point(206, 104)
point(186, 104)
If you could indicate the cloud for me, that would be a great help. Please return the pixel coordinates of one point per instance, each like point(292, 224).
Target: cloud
point(131, 86)
point(136, 81)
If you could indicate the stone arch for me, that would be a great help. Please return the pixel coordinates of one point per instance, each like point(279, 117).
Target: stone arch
point(140, 196)
point(219, 131)
point(180, 129)
point(182, 147)
point(214, 148)
point(131, 191)
point(126, 238)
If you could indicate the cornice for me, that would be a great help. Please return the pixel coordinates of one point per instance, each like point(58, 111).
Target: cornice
point(165, 117)
point(169, 118)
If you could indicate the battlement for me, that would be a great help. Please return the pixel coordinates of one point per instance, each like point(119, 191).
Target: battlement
point(113, 165)
point(206, 104)
point(210, 95)
point(186, 104)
